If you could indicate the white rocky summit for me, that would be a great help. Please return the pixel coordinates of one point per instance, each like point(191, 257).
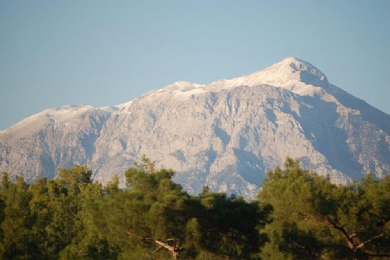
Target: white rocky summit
point(225, 134)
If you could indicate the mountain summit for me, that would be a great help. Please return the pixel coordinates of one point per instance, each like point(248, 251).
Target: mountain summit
point(225, 135)
point(292, 74)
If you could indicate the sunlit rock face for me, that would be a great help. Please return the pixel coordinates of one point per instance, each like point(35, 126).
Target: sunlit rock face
point(225, 135)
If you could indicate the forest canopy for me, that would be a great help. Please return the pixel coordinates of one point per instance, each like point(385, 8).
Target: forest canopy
point(297, 215)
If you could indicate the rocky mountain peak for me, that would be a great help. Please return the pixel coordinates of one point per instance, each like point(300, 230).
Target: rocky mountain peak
point(291, 73)
point(308, 73)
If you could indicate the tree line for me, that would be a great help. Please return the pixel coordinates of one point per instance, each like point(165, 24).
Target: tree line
point(297, 215)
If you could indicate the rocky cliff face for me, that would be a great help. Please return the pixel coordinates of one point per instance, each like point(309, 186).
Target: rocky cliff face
point(61, 137)
point(225, 135)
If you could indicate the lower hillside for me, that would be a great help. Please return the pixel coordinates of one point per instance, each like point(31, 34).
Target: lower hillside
point(297, 215)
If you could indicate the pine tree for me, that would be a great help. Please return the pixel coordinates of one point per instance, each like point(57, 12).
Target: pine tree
point(314, 218)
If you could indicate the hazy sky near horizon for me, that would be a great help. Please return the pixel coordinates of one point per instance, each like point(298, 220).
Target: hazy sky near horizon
point(98, 53)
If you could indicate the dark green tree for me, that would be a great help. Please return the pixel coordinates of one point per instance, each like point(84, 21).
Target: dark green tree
point(154, 218)
point(315, 219)
point(225, 227)
point(90, 242)
point(148, 217)
point(18, 241)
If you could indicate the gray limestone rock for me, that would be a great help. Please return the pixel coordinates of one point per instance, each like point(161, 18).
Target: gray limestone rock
point(225, 135)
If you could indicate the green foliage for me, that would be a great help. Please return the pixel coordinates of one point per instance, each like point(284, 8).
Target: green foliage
point(315, 219)
point(208, 226)
point(228, 226)
point(152, 218)
point(17, 220)
point(298, 215)
point(47, 219)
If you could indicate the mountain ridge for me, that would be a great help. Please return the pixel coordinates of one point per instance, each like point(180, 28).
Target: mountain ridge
point(226, 134)
point(289, 79)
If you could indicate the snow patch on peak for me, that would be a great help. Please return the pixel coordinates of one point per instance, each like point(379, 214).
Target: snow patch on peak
point(109, 109)
point(181, 86)
point(65, 113)
point(308, 73)
point(57, 115)
point(181, 89)
point(295, 64)
point(124, 105)
point(293, 60)
point(291, 73)
point(184, 89)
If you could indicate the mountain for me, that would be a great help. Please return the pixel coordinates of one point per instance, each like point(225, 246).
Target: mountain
point(225, 135)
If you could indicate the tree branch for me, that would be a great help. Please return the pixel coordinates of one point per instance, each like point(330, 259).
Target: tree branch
point(369, 240)
point(353, 235)
point(134, 235)
point(348, 238)
point(157, 249)
point(175, 250)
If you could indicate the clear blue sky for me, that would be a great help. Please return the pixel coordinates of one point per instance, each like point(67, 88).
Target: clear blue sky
point(54, 53)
